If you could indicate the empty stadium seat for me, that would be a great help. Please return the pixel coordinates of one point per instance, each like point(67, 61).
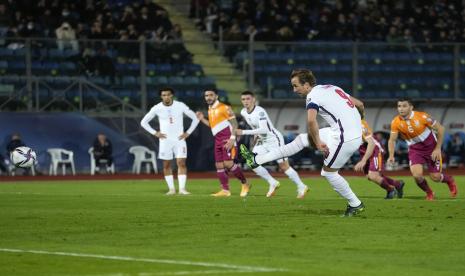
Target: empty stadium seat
point(61, 157)
point(143, 155)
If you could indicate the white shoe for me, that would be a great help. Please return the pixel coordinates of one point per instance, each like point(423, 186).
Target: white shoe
point(301, 192)
point(184, 192)
point(272, 189)
point(171, 192)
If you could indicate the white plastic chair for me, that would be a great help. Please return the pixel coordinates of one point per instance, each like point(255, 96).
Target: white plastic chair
point(143, 155)
point(63, 157)
point(93, 165)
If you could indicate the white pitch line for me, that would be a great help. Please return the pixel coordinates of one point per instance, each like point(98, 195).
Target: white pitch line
point(202, 272)
point(146, 260)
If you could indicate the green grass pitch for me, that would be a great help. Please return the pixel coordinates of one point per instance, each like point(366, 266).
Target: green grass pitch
point(131, 228)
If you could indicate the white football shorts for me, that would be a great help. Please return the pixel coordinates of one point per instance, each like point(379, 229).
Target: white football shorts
point(339, 151)
point(172, 148)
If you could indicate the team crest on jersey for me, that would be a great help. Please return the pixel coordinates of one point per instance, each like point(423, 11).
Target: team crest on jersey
point(417, 123)
point(262, 114)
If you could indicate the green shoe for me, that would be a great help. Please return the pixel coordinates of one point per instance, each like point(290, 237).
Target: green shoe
point(248, 156)
point(353, 211)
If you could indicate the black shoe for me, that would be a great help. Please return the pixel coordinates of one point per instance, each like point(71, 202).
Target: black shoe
point(400, 190)
point(352, 211)
point(391, 194)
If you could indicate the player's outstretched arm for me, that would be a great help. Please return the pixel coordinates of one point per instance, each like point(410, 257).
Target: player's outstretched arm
point(201, 118)
point(392, 146)
point(436, 154)
point(370, 148)
point(262, 129)
point(314, 133)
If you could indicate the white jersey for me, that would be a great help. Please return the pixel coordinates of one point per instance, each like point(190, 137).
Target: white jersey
point(261, 125)
point(336, 108)
point(171, 119)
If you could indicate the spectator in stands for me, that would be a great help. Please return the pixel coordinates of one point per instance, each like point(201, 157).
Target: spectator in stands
point(104, 64)
point(66, 37)
point(31, 30)
point(211, 17)
point(103, 151)
point(13, 38)
point(128, 17)
point(86, 62)
point(48, 21)
point(234, 34)
point(5, 15)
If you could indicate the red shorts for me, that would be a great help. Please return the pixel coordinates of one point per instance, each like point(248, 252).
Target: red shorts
point(221, 154)
point(420, 153)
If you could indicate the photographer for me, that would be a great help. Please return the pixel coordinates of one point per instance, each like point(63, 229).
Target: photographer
point(66, 37)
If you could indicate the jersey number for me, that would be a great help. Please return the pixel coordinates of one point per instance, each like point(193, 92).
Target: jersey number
point(344, 96)
point(171, 120)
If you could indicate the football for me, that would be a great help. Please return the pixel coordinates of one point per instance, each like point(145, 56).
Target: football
point(23, 157)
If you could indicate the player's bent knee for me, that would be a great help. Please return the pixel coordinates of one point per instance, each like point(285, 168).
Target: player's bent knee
point(326, 173)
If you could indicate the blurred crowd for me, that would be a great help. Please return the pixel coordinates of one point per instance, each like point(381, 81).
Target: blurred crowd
point(333, 20)
point(70, 21)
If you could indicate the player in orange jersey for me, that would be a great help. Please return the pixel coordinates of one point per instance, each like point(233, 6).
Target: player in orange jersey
point(416, 128)
point(372, 163)
point(223, 124)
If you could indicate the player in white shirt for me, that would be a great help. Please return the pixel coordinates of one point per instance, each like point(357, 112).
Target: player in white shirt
point(172, 136)
point(266, 137)
point(337, 142)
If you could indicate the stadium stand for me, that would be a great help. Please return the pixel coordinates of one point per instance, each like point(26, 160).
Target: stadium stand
point(103, 47)
point(394, 52)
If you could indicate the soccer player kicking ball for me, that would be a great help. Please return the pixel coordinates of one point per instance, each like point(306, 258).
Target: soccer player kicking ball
point(372, 164)
point(223, 124)
point(423, 145)
point(266, 138)
point(172, 136)
point(337, 142)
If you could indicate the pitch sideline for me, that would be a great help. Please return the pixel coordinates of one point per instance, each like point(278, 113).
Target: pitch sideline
point(239, 268)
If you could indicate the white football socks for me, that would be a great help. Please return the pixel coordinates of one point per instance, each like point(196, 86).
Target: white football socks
point(170, 181)
point(294, 176)
point(263, 173)
point(182, 182)
point(299, 143)
point(341, 186)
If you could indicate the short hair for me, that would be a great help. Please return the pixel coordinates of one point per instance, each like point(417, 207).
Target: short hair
point(304, 76)
point(166, 89)
point(405, 99)
point(211, 89)
point(247, 92)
